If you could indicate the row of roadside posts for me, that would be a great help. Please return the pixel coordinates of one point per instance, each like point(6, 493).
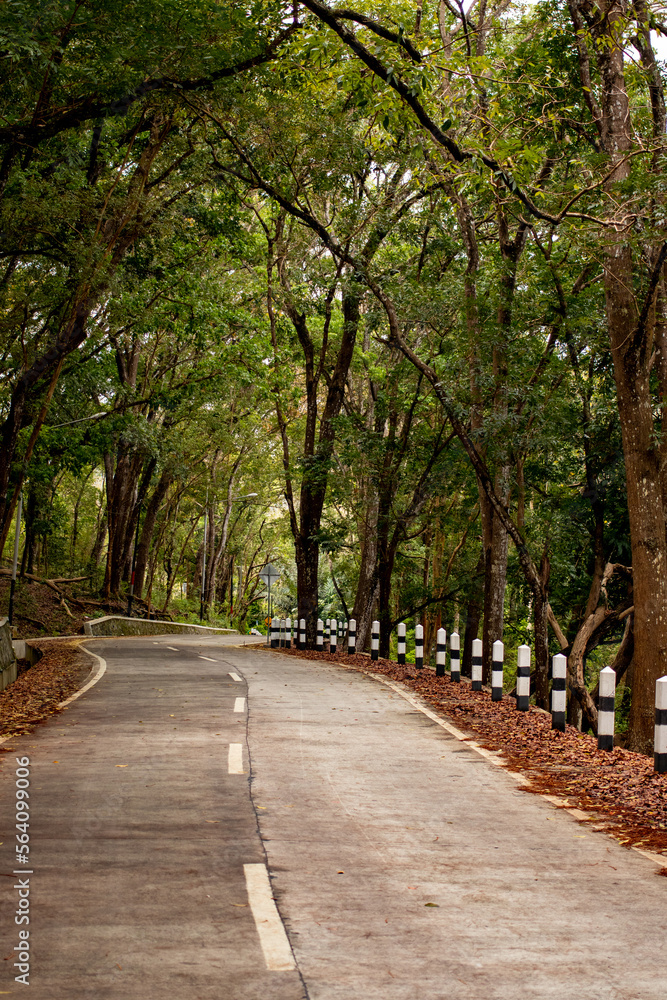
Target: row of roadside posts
point(331, 634)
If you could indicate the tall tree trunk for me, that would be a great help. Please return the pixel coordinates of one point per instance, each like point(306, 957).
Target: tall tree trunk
point(148, 530)
point(496, 544)
point(473, 614)
point(632, 344)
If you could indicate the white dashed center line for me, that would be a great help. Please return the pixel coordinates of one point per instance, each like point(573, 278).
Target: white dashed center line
point(272, 937)
point(235, 759)
point(235, 677)
point(209, 658)
point(239, 705)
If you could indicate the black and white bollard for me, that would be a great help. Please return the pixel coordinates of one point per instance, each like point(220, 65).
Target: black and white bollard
point(606, 709)
point(333, 638)
point(660, 732)
point(455, 657)
point(275, 633)
point(288, 633)
point(302, 633)
point(400, 649)
point(375, 640)
point(497, 671)
point(319, 641)
point(282, 632)
point(476, 665)
point(523, 679)
point(327, 631)
point(352, 637)
point(558, 692)
point(341, 633)
point(441, 653)
point(419, 647)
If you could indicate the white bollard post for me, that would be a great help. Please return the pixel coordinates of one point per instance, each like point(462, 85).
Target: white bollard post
point(288, 633)
point(606, 709)
point(419, 646)
point(497, 671)
point(302, 633)
point(440, 653)
point(333, 638)
point(476, 665)
point(327, 631)
point(341, 633)
point(455, 657)
point(558, 692)
point(282, 633)
point(352, 637)
point(375, 640)
point(660, 732)
point(320, 634)
point(401, 643)
point(275, 633)
point(523, 679)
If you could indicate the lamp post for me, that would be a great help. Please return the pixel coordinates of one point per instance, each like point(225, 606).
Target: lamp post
point(130, 596)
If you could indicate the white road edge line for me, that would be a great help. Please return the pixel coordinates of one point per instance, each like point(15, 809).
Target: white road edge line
point(491, 755)
point(239, 705)
point(99, 673)
point(235, 759)
point(272, 937)
point(235, 677)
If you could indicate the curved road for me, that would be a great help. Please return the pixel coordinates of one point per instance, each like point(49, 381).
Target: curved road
point(403, 863)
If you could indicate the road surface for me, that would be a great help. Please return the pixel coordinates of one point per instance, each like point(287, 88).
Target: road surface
point(403, 864)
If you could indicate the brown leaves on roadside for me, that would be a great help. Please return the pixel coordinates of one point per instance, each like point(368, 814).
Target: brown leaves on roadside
point(36, 693)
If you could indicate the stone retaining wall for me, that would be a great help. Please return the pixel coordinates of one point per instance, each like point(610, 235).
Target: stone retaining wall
point(8, 669)
point(117, 625)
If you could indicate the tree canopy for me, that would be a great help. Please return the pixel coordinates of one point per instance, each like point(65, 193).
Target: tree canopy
point(376, 294)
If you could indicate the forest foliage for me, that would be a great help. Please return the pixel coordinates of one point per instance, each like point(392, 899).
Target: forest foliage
point(374, 294)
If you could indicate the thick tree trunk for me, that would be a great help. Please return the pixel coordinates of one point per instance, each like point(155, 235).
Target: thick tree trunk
point(148, 530)
point(124, 493)
point(307, 568)
point(367, 584)
point(496, 546)
point(631, 353)
point(631, 327)
point(649, 555)
point(473, 615)
point(541, 622)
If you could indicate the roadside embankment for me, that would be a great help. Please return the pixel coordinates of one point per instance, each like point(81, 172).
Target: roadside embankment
point(37, 692)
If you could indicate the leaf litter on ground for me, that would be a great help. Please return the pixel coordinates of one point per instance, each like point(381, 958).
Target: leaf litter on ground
point(38, 690)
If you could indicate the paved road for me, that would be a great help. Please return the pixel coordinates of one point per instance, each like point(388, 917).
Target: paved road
point(404, 864)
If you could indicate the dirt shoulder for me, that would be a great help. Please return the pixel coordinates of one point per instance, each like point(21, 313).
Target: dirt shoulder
point(619, 789)
point(36, 693)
